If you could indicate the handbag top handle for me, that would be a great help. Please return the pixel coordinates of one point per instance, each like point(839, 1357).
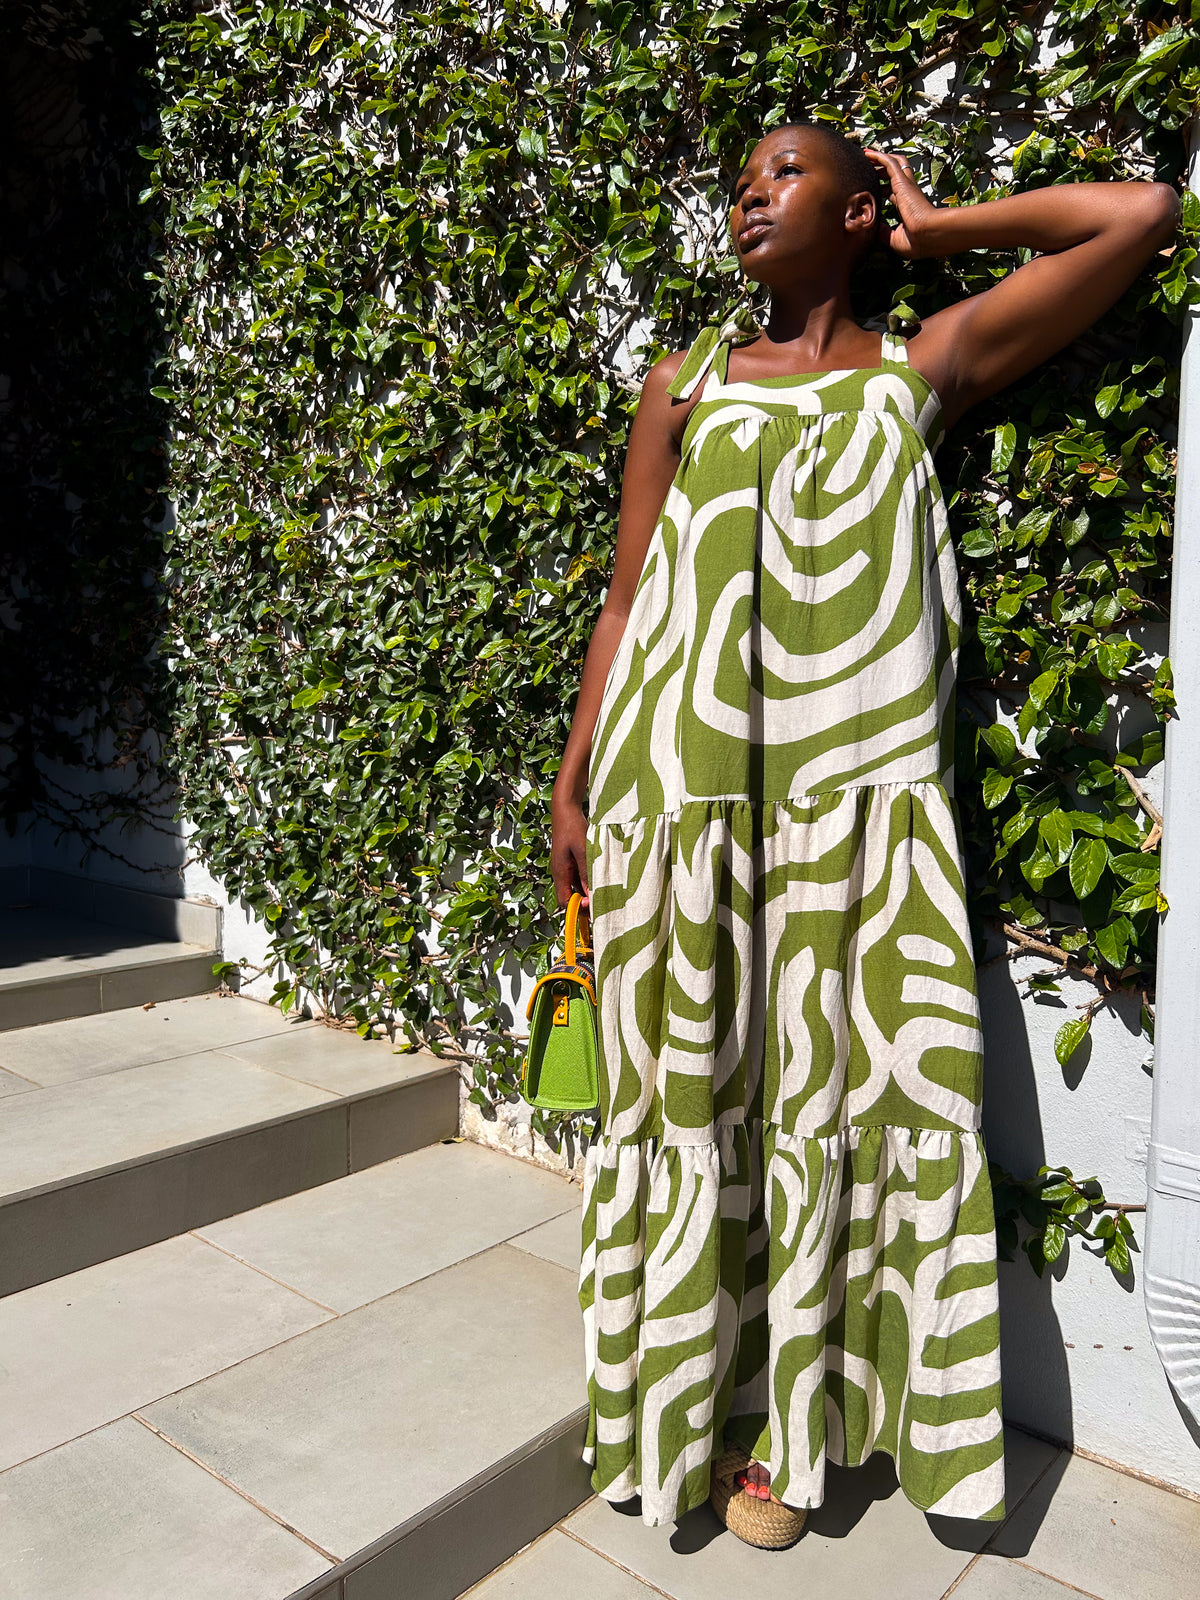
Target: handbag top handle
point(576, 912)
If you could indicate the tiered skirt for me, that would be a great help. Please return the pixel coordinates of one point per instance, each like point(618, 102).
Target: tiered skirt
point(788, 1235)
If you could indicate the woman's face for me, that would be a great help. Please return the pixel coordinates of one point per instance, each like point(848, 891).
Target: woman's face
point(790, 216)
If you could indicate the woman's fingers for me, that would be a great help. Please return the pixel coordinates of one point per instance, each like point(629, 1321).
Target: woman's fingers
point(894, 165)
point(911, 201)
point(568, 854)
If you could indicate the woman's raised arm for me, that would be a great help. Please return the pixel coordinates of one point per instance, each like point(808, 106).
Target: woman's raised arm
point(1094, 237)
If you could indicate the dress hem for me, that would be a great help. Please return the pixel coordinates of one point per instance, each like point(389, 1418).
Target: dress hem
point(996, 1514)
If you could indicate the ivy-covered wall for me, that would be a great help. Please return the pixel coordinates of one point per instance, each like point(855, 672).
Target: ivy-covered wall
point(410, 278)
point(409, 270)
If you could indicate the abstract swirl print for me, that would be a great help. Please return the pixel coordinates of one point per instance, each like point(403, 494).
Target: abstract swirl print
point(788, 1234)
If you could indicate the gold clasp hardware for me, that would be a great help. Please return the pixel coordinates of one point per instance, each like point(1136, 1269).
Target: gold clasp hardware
point(562, 1011)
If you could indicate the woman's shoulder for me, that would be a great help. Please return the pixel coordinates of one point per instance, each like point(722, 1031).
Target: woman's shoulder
point(664, 369)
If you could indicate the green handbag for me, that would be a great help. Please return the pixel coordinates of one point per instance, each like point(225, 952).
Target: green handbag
point(559, 1072)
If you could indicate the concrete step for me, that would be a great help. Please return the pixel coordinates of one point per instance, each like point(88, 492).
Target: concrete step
point(70, 947)
point(374, 1388)
point(131, 1126)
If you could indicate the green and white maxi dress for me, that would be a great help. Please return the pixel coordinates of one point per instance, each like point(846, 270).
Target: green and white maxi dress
point(788, 1233)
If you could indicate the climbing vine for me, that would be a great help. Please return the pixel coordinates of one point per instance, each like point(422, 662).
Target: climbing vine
point(411, 266)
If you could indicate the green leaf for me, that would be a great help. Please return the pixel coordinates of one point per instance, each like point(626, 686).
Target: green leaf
point(1053, 82)
point(1137, 867)
point(1004, 444)
point(1037, 867)
point(977, 543)
point(1042, 687)
point(1169, 43)
point(1105, 612)
point(1088, 861)
point(1057, 835)
point(1112, 656)
point(532, 144)
point(1069, 1037)
point(1053, 1240)
point(995, 786)
point(1113, 941)
point(1117, 1254)
point(1002, 742)
point(1136, 898)
point(1134, 81)
point(1019, 823)
point(1074, 528)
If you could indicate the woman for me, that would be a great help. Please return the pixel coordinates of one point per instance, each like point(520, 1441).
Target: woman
point(789, 1249)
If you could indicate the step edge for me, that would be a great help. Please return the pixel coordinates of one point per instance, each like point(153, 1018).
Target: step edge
point(166, 1152)
point(90, 974)
point(454, 1498)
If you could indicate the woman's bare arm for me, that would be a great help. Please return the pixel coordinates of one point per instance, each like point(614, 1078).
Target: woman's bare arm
point(651, 461)
point(1095, 239)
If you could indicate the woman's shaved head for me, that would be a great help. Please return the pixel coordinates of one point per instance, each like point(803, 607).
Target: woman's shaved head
point(854, 172)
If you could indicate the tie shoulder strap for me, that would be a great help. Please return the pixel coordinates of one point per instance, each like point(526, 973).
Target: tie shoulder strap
point(709, 350)
point(894, 351)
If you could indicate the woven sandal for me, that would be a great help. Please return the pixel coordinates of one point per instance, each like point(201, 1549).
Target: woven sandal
point(768, 1524)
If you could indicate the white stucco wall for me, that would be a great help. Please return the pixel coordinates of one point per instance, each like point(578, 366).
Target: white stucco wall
point(1078, 1363)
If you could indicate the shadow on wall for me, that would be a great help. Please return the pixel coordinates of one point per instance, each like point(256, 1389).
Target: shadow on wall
point(1035, 1382)
point(82, 453)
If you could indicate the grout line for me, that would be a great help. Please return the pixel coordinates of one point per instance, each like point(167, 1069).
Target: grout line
point(1029, 1567)
point(986, 1548)
point(1107, 1461)
point(970, 1567)
point(192, 1383)
point(230, 1054)
point(32, 1082)
point(229, 1484)
point(1134, 1472)
point(195, 1233)
point(62, 1443)
point(303, 1332)
point(613, 1562)
point(388, 1086)
point(504, 1565)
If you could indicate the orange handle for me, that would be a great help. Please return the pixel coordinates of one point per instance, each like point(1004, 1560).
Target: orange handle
point(575, 911)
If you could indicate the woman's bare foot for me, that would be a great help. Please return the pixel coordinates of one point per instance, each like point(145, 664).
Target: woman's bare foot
point(755, 1479)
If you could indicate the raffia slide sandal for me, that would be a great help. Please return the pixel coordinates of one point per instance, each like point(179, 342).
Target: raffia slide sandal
point(768, 1524)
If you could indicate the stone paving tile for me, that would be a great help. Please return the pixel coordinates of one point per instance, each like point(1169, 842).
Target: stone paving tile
point(120, 1515)
point(1107, 1533)
point(11, 1084)
point(332, 1058)
point(87, 1348)
point(557, 1240)
point(864, 1514)
point(366, 1421)
point(83, 1047)
point(373, 1232)
point(996, 1578)
point(55, 1134)
point(557, 1566)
